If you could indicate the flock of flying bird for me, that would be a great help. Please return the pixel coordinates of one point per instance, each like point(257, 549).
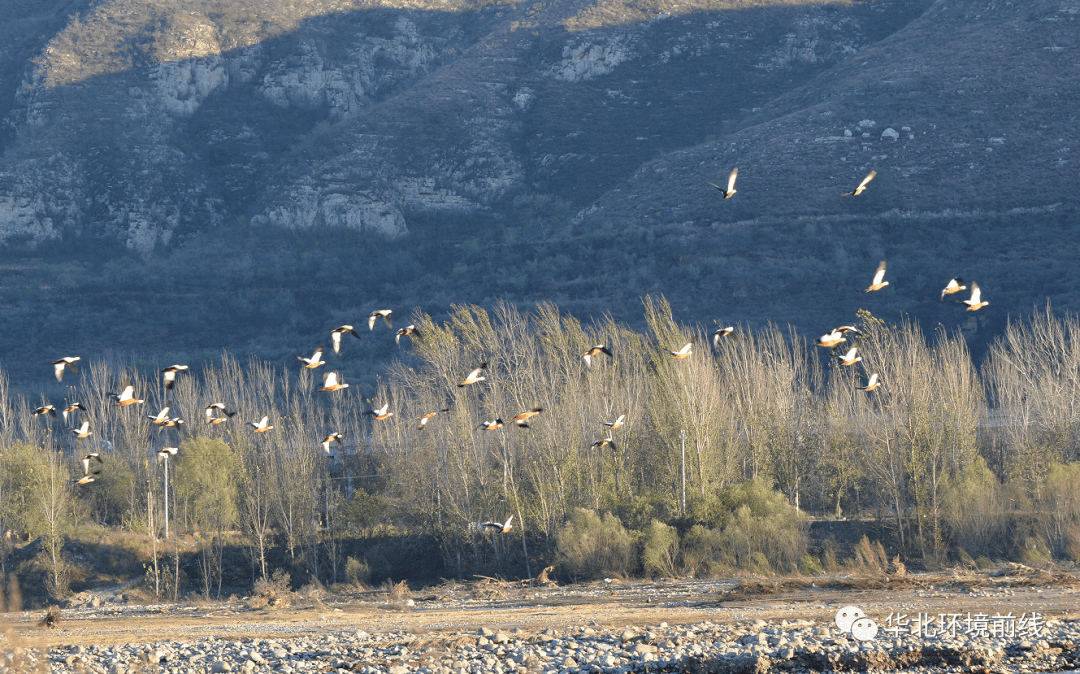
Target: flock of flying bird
point(217, 413)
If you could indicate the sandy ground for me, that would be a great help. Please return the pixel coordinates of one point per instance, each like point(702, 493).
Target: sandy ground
point(504, 606)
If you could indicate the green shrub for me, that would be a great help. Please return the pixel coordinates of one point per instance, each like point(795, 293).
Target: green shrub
point(660, 550)
point(1060, 500)
point(593, 547)
point(973, 510)
point(358, 573)
point(761, 520)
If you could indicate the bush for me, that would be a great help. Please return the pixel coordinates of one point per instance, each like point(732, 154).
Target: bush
point(661, 549)
point(275, 591)
point(358, 573)
point(701, 556)
point(973, 510)
point(593, 547)
point(762, 530)
point(1060, 504)
point(870, 557)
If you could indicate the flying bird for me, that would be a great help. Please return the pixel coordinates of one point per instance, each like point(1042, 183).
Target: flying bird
point(315, 360)
point(844, 329)
point(587, 356)
point(169, 423)
point(606, 442)
point(497, 527)
point(161, 416)
point(407, 331)
point(879, 279)
point(720, 333)
point(86, 479)
point(851, 357)
point(126, 397)
point(429, 416)
point(383, 314)
point(168, 375)
point(333, 437)
point(872, 384)
point(615, 424)
point(492, 425)
point(166, 452)
point(261, 426)
point(684, 352)
point(71, 409)
point(520, 419)
point(974, 303)
point(67, 362)
point(730, 191)
point(831, 340)
point(862, 186)
point(46, 409)
point(82, 431)
point(92, 456)
point(211, 418)
point(953, 286)
point(381, 413)
point(337, 333)
point(474, 376)
point(331, 383)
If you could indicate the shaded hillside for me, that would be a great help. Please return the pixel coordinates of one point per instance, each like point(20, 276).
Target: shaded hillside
point(179, 178)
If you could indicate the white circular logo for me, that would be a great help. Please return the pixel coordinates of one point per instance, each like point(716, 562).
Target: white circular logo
point(864, 629)
point(848, 615)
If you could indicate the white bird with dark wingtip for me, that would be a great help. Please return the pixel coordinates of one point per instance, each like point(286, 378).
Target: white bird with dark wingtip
point(82, 431)
point(606, 442)
point(168, 375)
point(212, 418)
point(315, 360)
point(337, 333)
point(92, 456)
point(333, 437)
point(492, 425)
point(72, 409)
point(831, 340)
point(497, 527)
point(685, 352)
point(872, 384)
point(879, 279)
point(598, 349)
point(380, 313)
point(262, 425)
point(429, 416)
point(974, 303)
point(46, 409)
point(407, 331)
point(520, 419)
point(381, 413)
point(851, 357)
point(953, 286)
point(166, 452)
point(474, 376)
point(331, 383)
point(720, 333)
point(615, 424)
point(730, 191)
point(67, 362)
point(862, 186)
point(161, 416)
point(126, 397)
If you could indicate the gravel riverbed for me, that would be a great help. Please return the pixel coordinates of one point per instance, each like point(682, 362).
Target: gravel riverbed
point(570, 637)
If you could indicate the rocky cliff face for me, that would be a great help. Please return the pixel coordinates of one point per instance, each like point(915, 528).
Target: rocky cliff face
point(145, 122)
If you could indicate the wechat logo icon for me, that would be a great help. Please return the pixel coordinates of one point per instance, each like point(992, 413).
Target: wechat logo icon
point(852, 620)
